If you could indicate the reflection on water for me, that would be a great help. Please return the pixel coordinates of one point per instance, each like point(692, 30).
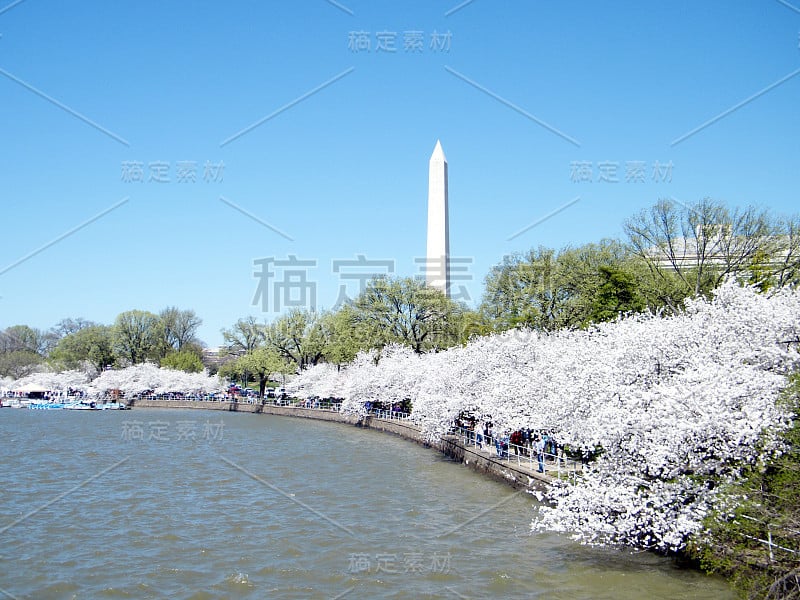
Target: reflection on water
point(190, 504)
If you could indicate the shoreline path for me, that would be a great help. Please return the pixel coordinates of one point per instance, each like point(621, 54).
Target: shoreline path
point(517, 466)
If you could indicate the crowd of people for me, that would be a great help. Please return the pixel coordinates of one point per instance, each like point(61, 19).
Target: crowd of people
point(522, 442)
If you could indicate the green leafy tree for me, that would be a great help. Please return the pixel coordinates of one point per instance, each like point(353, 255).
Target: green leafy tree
point(69, 326)
point(19, 363)
point(618, 293)
point(299, 337)
point(264, 362)
point(473, 323)
point(521, 291)
point(765, 507)
point(234, 370)
point(406, 311)
point(341, 340)
point(245, 336)
point(180, 327)
point(548, 290)
point(22, 338)
point(93, 344)
point(23, 349)
point(138, 337)
point(183, 360)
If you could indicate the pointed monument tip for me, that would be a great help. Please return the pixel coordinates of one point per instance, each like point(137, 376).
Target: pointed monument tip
point(438, 153)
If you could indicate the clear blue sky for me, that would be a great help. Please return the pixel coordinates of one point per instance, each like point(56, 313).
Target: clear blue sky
point(519, 92)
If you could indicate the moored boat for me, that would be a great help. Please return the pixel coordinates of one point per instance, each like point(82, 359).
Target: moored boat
point(82, 405)
point(47, 405)
point(113, 406)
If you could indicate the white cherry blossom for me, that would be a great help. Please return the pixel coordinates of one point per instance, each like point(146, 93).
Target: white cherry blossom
point(674, 402)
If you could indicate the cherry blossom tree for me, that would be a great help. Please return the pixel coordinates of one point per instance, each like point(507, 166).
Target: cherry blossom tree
point(55, 382)
point(678, 405)
point(141, 378)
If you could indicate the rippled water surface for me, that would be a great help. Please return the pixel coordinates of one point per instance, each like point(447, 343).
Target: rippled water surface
point(191, 504)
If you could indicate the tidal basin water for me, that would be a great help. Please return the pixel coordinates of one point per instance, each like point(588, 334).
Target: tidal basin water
point(201, 504)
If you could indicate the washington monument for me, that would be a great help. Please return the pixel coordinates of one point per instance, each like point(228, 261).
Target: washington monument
point(437, 265)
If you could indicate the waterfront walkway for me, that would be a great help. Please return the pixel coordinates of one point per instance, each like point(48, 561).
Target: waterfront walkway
point(525, 457)
point(519, 470)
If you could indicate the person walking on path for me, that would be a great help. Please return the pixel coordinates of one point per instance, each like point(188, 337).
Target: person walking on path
point(516, 441)
point(538, 446)
point(504, 445)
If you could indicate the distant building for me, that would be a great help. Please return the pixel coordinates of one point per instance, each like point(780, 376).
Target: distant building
point(214, 358)
point(722, 249)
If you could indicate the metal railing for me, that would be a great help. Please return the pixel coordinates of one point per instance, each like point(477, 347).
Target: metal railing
point(525, 456)
point(318, 405)
point(767, 542)
point(175, 398)
point(267, 401)
point(392, 415)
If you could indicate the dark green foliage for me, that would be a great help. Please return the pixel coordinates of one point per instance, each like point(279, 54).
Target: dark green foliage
point(406, 311)
point(767, 509)
point(93, 344)
point(19, 363)
point(138, 337)
point(618, 293)
point(548, 290)
point(183, 360)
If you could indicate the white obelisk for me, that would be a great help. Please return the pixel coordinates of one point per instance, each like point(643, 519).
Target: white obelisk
point(438, 259)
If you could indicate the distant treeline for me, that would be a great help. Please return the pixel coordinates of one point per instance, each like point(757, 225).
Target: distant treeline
point(671, 252)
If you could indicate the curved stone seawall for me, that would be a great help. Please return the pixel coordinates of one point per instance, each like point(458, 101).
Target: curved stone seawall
point(518, 476)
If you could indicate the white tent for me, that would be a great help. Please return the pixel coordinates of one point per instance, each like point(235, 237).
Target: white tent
point(31, 388)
